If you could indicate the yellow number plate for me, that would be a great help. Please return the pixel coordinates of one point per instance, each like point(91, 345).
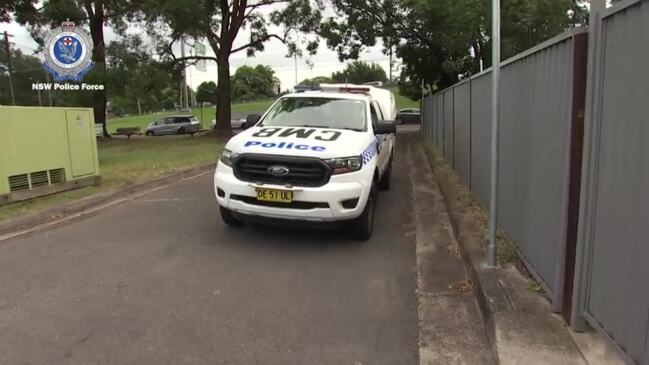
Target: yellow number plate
point(272, 195)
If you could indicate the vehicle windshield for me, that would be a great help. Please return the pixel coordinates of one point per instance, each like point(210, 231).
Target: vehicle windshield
point(317, 112)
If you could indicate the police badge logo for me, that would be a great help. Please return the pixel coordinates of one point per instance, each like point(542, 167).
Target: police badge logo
point(68, 51)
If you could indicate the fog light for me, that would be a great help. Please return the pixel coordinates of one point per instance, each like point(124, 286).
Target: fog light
point(349, 203)
point(220, 192)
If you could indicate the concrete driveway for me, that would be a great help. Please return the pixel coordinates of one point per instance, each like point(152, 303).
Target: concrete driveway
point(160, 280)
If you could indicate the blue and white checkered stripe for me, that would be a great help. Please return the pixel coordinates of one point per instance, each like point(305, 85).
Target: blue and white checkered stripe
point(370, 152)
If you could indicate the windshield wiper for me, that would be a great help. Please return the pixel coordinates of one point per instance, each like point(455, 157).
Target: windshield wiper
point(314, 126)
point(350, 129)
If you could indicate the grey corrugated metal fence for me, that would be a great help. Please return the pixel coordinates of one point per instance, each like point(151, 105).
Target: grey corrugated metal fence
point(614, 224)
point(534, 173)
point(596, 230)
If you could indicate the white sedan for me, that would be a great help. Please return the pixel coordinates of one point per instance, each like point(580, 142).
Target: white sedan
point(235, 123)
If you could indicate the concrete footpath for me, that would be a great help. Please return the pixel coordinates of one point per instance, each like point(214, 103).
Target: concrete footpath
point(451, 327)
point(517, 320)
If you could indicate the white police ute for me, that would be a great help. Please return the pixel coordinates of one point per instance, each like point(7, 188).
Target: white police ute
point(315, 156)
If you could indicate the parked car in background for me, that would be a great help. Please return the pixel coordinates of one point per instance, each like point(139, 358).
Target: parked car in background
point(176, 124)
point(236, 123)
point(409, 115)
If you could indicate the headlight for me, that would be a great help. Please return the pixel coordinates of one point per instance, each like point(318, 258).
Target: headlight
point(228, 156)
point(345, 164)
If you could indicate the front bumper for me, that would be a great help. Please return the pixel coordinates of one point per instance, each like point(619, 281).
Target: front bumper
point(338, 189)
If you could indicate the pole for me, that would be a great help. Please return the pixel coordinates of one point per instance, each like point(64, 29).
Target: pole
point(183, 90)
point(190, 98)
point(295, 58)
point(10, 69)
point(390, 72)
point(492, 247)
point(49, 92)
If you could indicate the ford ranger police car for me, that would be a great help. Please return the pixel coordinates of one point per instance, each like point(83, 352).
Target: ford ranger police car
point(316, 156)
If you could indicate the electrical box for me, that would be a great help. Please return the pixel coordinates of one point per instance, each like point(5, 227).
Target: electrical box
point(46, 150)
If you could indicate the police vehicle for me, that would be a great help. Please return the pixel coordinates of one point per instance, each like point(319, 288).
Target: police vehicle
point(315, 156)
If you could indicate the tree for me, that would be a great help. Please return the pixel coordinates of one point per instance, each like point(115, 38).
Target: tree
point(249, 83)
point(443, 39)
point(316, 81)
point(136, 81)
point(94, 13)
point(219, 22)
point(26, 70)
point(359, 72)
point(206, 92)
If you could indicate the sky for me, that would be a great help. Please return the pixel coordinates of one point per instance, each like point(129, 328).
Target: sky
point(324, 62)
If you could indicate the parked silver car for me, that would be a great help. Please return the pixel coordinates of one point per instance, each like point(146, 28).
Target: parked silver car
point(176, 124)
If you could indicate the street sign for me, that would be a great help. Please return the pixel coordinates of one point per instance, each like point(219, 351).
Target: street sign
point(200, 50)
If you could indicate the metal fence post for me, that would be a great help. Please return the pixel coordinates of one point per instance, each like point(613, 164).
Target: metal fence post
point(581, 278)
point(492, 248)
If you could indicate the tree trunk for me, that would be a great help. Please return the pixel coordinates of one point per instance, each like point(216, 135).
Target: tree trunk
point(223, 95)
point(99, 57)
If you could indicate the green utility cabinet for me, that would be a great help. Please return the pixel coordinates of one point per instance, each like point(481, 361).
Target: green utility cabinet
point(46, 150)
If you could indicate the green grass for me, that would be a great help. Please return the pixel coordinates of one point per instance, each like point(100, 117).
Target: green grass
point(239, 110)
point(403, 101)
point(124, 163)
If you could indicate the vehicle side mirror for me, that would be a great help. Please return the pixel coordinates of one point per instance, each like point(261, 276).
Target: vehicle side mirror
point(251, 120)
point(385, 127)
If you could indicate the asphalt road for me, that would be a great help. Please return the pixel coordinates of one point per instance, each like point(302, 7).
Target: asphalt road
point(160, 280)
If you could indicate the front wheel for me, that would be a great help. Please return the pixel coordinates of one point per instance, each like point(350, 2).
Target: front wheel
point(384, 184)
point(229, 219)
point(150, 133)
point(363, 226)
point(181, 131)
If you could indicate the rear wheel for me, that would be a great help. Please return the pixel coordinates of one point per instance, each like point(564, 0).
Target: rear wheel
point(181, 131)
point(398, 121)
point(229, 219)
point(363, 226)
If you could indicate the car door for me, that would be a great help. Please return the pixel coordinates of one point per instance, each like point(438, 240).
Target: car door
point(158, 126)
point(181, 124)
point(383, 140)
point(169, 126)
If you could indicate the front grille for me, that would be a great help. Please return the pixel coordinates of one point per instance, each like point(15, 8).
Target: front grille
point(291, 205)
point(303, 171)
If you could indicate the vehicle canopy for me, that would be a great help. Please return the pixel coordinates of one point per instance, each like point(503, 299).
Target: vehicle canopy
point(384, 97)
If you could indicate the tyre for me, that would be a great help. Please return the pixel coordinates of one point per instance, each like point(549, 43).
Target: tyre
point(398, 121)
point(150, 133)
point(181, 131)
point(229, 219)
point(384, 184)
point(363, 226)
